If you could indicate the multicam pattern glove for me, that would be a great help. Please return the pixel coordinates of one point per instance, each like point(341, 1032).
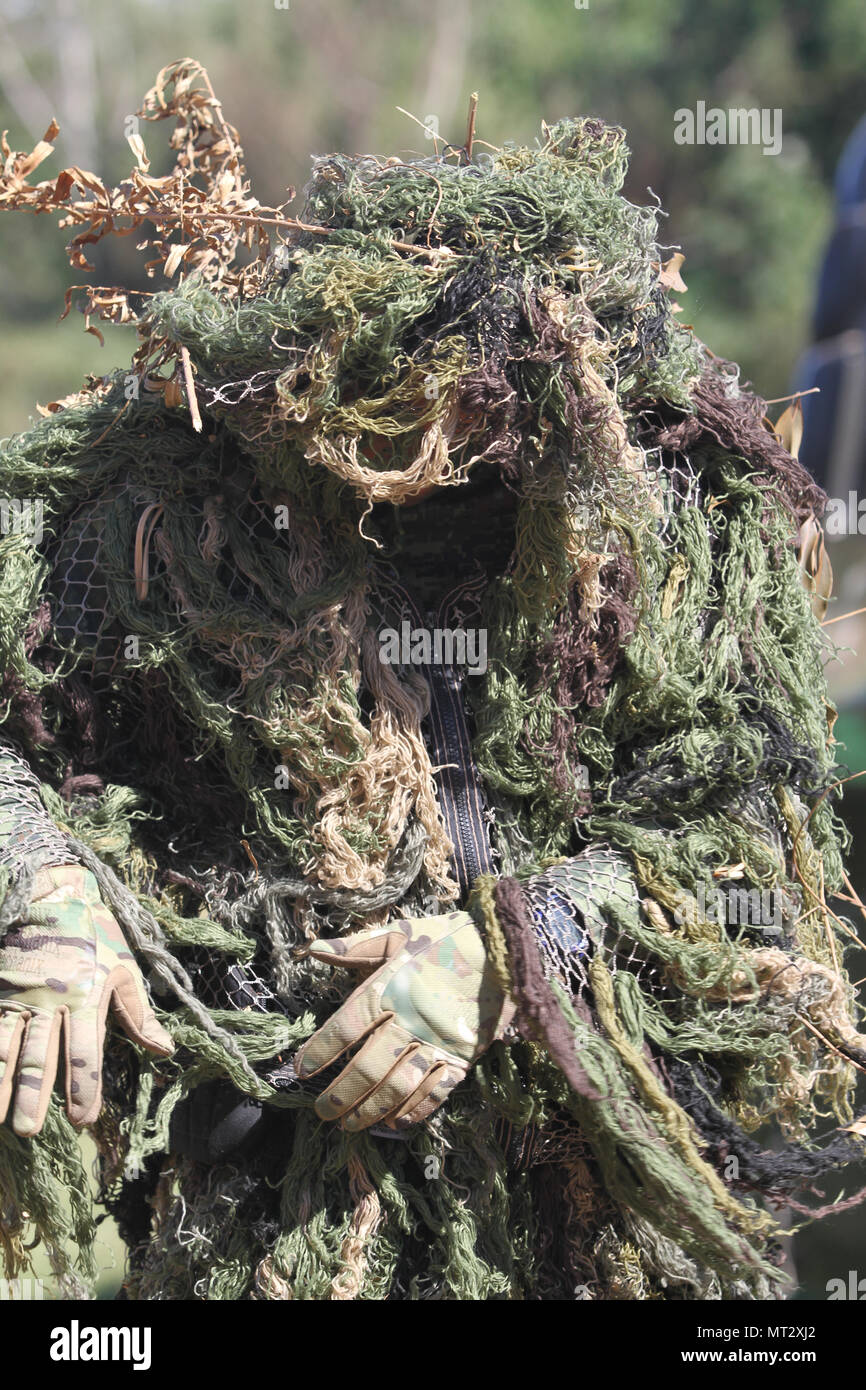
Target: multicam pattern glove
point(429, 1010)
point(59, 974)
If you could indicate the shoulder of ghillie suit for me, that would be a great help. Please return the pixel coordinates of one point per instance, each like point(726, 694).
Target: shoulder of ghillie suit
point(654, 685)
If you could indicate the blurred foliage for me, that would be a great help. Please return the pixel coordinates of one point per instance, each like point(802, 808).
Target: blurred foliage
point(44, 360)
point(308, 76)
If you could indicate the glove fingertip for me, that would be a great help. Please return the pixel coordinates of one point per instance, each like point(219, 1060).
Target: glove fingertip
point(303, 1070)
point(324, 949)
point(80, 1115)
point(157, 1039)
point(366, 949)
point(28, 1131)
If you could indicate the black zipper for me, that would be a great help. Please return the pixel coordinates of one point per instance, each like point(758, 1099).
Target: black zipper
point(460, 793)
point(459, 786)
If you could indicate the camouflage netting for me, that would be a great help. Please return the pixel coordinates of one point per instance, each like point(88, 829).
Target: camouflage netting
point(654, 684)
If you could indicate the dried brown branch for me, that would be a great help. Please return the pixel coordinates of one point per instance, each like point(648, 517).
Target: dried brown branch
point(198, 218)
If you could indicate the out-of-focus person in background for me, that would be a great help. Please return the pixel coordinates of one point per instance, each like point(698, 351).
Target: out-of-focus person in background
point(832, 376)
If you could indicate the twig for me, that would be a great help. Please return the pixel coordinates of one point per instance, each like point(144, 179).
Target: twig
point(842, 616)
point(428, 130)
point(81, 214)
point(110, 425)
point(470, 132)
point(795, 396)
point(827, 1043)
point(855, 896)
point(828, 932)
point(192, 399)
point(844, 898)
point(293, 223)
point(226, 128)
point(436, 206)
point(857, 900)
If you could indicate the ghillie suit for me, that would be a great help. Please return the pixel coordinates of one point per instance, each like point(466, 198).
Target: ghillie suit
point(192, 671)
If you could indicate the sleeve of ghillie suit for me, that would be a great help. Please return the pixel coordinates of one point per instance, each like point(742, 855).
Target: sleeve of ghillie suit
point(684, 971)
point(28, 835)
point(64, 963)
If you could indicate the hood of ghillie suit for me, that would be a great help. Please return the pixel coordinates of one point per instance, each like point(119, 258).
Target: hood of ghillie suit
point(654, 683)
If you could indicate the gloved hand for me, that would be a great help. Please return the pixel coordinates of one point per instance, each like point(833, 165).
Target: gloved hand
point(429, 1010)
point(59, 974)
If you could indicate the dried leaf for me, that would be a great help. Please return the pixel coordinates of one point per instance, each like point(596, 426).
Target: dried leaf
point(226, 185)
point(174, 258)
point(669, 273)
point(136, 144)
point(789, 427)
point(198, 217)
point(39, 153)
point(89, 182)
point(63, 185)
point(816, 572)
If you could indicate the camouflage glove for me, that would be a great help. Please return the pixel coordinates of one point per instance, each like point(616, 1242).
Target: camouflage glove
point(59, 974)
point(429, 1010)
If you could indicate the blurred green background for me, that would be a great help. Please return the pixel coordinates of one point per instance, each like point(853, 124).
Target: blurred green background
point(304, 77)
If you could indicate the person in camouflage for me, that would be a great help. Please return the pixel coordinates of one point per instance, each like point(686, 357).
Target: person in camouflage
point(61, 974)
point(457, 399)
